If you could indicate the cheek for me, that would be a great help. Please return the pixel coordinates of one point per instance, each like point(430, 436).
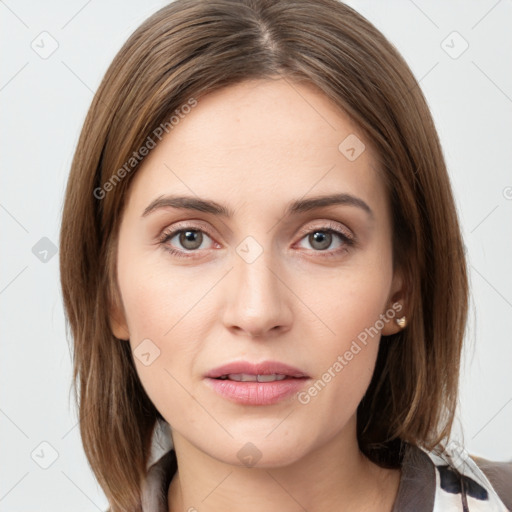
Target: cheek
point(156, 299)
point(345, 304)
point(163, 343)
point(159, 308)
point(168, 314)
point(344, 339)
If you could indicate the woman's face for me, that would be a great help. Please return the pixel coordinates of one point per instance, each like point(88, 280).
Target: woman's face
point(268, 279)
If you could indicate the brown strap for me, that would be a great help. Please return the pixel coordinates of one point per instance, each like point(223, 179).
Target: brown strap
point(417, 484)
point(500, 476)
point(156, 484)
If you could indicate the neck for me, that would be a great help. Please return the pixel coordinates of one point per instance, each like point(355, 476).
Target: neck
point(333, 477)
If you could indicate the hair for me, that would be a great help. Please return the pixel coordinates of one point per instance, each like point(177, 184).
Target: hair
point(184, 51)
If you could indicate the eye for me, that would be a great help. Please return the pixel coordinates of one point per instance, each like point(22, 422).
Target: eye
point(188, 239)
point(322, 238)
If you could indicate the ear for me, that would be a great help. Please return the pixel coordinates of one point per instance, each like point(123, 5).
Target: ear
point(119, 327)
point(118, 324)
point(396, 306)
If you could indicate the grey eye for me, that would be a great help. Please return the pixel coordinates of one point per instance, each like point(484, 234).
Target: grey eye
point(190, 239)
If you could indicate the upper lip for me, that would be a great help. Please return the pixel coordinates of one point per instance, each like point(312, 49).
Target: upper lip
point(263, 368)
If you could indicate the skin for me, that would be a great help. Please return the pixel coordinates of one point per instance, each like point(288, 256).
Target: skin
point(255, 147)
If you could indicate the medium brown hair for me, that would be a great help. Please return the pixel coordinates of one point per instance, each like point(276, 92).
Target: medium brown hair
point(190, 48)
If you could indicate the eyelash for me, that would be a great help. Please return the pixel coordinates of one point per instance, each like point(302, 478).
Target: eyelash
point(348, 241)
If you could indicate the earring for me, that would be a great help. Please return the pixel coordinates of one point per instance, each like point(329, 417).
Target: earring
point(401, 322)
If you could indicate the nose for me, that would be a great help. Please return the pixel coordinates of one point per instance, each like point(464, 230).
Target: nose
point(257, 298)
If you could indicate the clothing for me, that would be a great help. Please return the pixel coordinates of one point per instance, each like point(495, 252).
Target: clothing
point(428, 483)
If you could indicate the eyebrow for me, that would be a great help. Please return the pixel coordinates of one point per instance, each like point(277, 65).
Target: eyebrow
point(294, 207)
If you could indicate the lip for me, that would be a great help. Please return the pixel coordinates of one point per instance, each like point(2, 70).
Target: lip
point(256, 393)
point(264, 368)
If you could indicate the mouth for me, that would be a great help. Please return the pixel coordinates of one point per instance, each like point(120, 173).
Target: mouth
point(264, 383)
point(245, 371)
point(248, 377)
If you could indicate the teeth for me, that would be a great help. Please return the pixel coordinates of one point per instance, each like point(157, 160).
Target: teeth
point(246, 377)
point(270, 378)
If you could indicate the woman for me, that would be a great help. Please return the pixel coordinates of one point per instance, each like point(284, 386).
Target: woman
point(261, 261)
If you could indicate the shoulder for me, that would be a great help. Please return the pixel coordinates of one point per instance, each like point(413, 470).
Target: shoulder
point(465, 482)
point(499, 475)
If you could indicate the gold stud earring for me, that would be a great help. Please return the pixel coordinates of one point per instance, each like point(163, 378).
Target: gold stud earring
point(401, 322)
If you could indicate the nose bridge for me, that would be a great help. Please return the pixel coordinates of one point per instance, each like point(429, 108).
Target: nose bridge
point(256, 299)
point(257, 284)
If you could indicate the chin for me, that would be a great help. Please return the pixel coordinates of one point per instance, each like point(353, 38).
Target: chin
point(259, 450)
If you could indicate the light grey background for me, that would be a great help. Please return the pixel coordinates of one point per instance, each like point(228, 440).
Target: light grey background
point(44, 102)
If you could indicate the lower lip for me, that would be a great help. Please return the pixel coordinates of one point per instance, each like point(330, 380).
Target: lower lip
point(257, 393)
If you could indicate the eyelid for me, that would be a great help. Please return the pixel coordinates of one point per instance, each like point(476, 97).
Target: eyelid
point(328, 224)
point(200, 225)
point(183, 226)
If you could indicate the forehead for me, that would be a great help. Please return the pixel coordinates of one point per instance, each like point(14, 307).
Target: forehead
point(262, 141)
